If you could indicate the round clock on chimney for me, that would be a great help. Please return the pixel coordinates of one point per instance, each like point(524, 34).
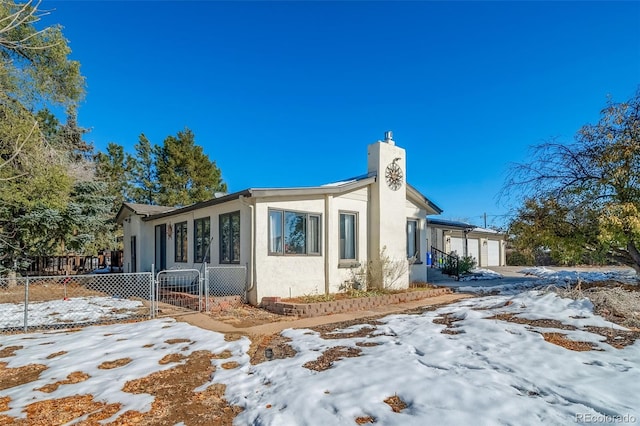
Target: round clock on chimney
point(393, 175)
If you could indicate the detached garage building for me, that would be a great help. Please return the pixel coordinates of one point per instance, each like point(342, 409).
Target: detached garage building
point(486, 246)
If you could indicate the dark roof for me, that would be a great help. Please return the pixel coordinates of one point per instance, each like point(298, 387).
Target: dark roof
point(148, 209)
point(450, 223)
point(154, 212)
point(141, 209)
point(207, 203)
point(430, 203)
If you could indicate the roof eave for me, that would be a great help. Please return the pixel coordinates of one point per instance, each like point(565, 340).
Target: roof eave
point(121, 213)
point(207, 203)
point(312, 190)
point(427, 204)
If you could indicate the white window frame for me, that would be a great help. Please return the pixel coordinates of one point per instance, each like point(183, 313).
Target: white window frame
point(342, 249)
point(416, 239)
point(280, 251)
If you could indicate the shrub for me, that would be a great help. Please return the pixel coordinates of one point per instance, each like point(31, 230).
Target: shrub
point(382, 273)
point(466, 264)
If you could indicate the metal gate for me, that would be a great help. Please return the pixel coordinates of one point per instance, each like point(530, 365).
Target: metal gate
point(182, 288)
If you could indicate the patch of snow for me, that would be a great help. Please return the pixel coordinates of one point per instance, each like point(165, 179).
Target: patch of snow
point(340, 183)
point(545, 277)
point(72, 310)
point(144, 342)
point(479, 274)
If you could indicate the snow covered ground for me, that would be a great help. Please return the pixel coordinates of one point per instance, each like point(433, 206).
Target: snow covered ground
point(77, 310)
point(488, 281)
point(491, 372)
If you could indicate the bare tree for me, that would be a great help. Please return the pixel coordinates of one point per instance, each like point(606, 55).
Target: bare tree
point(598, 172)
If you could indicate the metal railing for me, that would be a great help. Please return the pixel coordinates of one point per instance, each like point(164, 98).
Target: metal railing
point(37, 303)
point(448, 263)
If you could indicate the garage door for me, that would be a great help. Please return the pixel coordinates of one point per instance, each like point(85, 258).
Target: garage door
point(473, 248)
point(457, 245)
point(494, 253)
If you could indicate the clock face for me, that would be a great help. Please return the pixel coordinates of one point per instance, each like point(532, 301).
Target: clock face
point(394, 176)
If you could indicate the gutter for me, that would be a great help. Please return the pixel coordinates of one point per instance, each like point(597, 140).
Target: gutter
point(252, 250)
point(327, 212)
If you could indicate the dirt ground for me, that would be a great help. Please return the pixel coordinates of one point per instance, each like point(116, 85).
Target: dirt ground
point(176, 398)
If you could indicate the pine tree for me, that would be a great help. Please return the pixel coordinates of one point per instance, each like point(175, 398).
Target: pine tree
point(142, 172)
point(35, 73)
point(113, 168)
point(185, 174)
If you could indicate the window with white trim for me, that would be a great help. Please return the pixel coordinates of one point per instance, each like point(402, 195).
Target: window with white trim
point(294, 233)
point(413, 239)
point(348, 236)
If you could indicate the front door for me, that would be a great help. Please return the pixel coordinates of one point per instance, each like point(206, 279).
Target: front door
point(161, 247)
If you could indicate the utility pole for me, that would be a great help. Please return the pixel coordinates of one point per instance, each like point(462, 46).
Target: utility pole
point(485, 220)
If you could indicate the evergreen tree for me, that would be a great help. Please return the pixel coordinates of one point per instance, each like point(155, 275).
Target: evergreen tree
point(35, 73)
point(185, 173)
point(142, 169)
point(71, 141)
point(90, 221)
point(112, 171)
point(113, 168)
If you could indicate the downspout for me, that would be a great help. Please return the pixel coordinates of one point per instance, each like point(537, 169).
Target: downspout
point(326, 243)
point(252, 265)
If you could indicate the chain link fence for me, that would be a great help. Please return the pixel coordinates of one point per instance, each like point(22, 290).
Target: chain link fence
point(37, 303)
point(181, 288)
point(226, 281)
point(57, 302)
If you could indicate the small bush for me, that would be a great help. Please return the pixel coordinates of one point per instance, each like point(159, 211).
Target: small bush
point(518, 258)
point(466, 264)
point(382, 273)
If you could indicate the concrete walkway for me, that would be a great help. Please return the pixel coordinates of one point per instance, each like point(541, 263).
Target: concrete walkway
point(510, 275)
point(209, 323)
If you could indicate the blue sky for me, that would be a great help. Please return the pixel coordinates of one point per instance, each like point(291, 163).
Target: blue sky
point(291, 93)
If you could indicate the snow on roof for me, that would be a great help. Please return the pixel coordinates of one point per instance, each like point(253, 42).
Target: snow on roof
point(450, 223)
point(461, 225)
point(350, 180)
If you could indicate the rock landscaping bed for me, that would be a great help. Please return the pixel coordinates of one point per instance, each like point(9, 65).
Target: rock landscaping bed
point(306, 310)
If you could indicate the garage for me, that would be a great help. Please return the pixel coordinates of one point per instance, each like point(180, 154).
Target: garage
point(493, 255)
point(473, 247)
point(486, 246)
point(457, 246)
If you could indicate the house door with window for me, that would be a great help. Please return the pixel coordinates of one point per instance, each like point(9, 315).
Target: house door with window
point(161, 247)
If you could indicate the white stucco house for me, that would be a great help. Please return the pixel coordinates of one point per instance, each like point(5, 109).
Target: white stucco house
point(294, 241)
point(486, 246)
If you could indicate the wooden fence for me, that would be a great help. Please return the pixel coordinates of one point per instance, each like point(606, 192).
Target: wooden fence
point(73, 265)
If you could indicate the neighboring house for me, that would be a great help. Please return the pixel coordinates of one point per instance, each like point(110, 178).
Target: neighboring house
point(486, 246)
point(294, 241)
